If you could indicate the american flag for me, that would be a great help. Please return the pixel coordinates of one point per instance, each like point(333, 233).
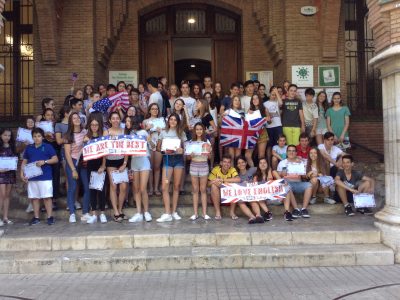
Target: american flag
point(119, 99)
point(239, 133)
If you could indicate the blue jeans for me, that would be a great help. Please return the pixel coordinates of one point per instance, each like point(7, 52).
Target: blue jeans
point(72, 183)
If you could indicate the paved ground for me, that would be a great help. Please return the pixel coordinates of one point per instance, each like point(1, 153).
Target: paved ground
point(295, 283)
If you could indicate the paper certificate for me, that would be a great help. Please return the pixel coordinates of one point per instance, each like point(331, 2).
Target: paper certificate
point(8, 163)
point(364, 200)
point(198, 148)
point(296, 168)
point(32, 170)
point(157, 123)
point(24, 135)
point(253, 116)
point(47, 126)
point(120, 177)
point(97, 181)
point(326, 181)
point(170, 144)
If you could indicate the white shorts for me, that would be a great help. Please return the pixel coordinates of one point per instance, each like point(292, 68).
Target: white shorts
point(41, 189)
point(322, 131)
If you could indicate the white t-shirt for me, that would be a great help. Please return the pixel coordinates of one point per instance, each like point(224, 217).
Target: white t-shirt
point(333, 153)
point(157, 98)
point(280, 151)
point(311, 112)
point(245, 101)
point(273, 109)
point(190, 104)
point(284, 164)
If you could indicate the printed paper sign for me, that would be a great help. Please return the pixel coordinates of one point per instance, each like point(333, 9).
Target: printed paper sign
point(272, 190)
point(131, 145)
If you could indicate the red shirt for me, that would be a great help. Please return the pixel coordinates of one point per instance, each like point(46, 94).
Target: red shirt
point(300, 152)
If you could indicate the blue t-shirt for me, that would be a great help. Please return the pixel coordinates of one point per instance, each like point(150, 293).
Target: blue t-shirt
point(226, 102)
point(43, 152)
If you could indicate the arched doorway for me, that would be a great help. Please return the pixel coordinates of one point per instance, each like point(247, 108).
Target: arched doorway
point(189, 41)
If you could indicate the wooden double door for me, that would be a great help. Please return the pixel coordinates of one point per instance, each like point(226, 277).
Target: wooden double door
point(157, 48)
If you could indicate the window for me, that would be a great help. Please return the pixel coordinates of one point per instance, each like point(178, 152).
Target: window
point(364, 88)
point(16, 55)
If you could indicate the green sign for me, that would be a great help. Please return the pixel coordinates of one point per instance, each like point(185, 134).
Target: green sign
point(329, 76)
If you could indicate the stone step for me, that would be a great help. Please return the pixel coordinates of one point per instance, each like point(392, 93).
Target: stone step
point(128, 260)
point(185, 211)
point(128, 241)
point(319, 230)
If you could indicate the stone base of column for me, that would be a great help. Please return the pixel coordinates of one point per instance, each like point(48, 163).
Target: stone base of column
point(388, 221)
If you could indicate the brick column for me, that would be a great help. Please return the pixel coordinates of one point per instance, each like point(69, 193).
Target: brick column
point(385, 22)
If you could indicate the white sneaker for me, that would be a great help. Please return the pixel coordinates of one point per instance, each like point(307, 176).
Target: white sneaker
point(176, 216)
point(103, 218)
point(136, 218)
point(207, 217)
point(1, 223)
point(147, 216)
point(313, 200)
point(92, 219)
point(164, 218)
point(77, 205)
point(85, 217)
point(329, 200)
point(194, 217)
point(29, 209)
point(72, 218)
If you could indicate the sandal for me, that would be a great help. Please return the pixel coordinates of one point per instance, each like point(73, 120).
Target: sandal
point(151, 193)
point(117, 218)
point(8, 222)
point(158, 193)
point(218, 218)
point(123, 217)
point(252, 221)
point(234, 217)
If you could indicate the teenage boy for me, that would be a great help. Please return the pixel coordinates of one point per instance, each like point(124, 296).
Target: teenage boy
point(311, 112)
point(349, 182)
point(224, 173)
point(155, 97)
point(77, 106)
point(330, 153)
point(292, 116)
point(303, 148)
point(190, 102)
point(166, 105)
point(207, 81)
point(295, 183)
point(249, 92)
point(40, 187)
point(227, 100)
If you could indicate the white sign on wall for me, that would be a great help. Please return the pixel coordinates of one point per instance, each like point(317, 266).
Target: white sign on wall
point(130, 77)
point(303, 75)
point(264, 77)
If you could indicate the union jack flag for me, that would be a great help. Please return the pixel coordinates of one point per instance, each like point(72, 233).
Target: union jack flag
point(239, 133)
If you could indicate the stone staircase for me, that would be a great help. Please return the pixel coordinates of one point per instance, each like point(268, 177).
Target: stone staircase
point(328, 238)
point(323, 240)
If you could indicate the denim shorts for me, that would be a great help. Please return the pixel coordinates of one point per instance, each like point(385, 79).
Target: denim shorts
point(140, 163)
point(299, 187)
point(173, 161)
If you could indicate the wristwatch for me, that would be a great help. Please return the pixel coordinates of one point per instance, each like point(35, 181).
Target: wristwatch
point(45, 162)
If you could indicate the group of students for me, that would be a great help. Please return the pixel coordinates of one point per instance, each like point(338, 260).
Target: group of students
point(313, 132)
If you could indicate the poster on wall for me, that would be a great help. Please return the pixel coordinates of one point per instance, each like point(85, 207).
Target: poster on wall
point(130, 77)
point(329, 93)
point(264, 77)
point(329, 76)
point(303, 75)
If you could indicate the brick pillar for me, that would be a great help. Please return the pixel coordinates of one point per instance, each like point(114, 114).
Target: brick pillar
point(384, 19)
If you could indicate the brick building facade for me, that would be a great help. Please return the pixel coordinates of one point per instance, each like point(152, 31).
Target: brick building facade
point(93, 37)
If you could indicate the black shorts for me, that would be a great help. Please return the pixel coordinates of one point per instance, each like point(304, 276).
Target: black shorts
point(114, 163)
